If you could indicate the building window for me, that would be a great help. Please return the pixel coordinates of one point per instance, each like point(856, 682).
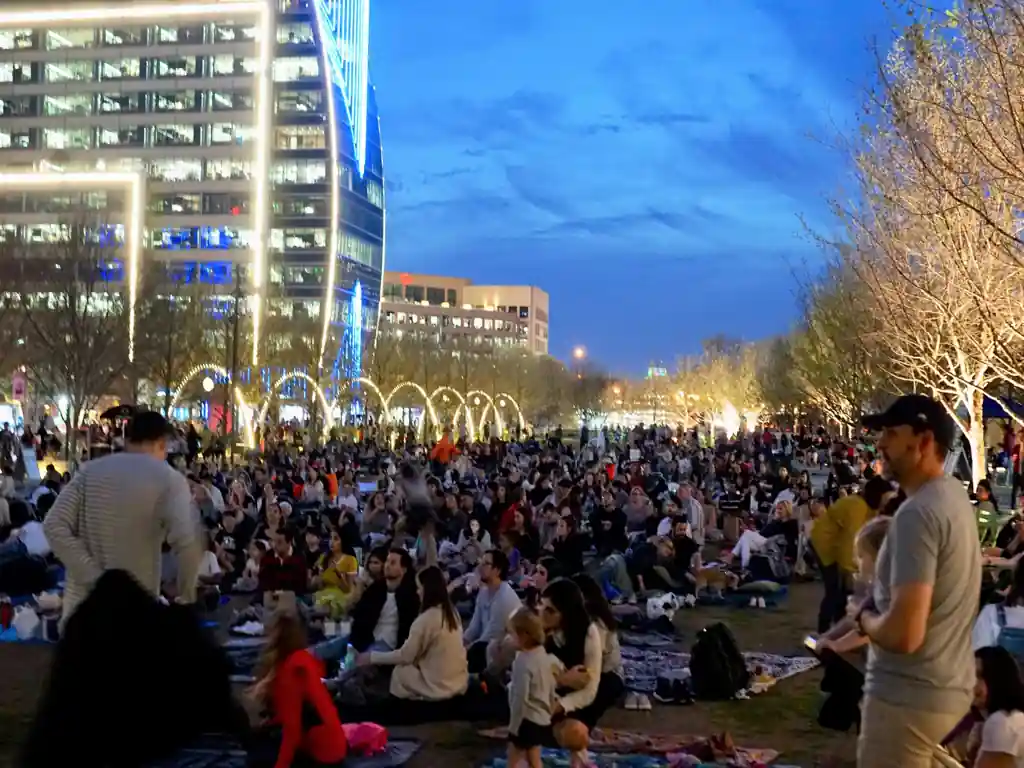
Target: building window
point(228, 65)
point(176, 66)
point(20, 73)
point(237, 170)
point(181, 101)
point(177, 203)
point(289, 69)
point(524, 313)
point(304, 275)
point(175, 135)
point(133, 136)
point(302, 205)
point(226, 204)
point(299, 172)
point(121, 102)
point(221, 101)
point(80, 104)
point(176, 170)
point(119, 70)
point(78, 138)
point(300, 137)
point(300, 101)
point(295, 34)
point(165, 35)
point(70, 38)
point(123, 37)
point(18, 138)
point(298, 239)
point(16, 39)
point(435, 296)
point(415, 292)
point(230, 33)
point(17, 106)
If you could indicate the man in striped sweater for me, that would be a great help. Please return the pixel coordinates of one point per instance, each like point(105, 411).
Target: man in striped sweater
point(117, 512)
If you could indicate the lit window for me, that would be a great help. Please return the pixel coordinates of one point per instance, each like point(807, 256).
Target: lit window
point(174, 135)
point(176, 170)
point(70, 38)
point(16, 39)
point(67, 105)
point(296, 68)
point(295, 34)
point(300, 137)
point(178, 66)
point(123, 37)
point(300, 101)
point(69, 70)
point(67, 139)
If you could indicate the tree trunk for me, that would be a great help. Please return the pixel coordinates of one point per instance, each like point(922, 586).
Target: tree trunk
point(976, 437)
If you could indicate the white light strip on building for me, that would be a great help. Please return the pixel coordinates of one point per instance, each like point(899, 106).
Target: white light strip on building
point(363, 84)
point(261, 172)
point(334, 249)
point(133, 184)
point(169, 10)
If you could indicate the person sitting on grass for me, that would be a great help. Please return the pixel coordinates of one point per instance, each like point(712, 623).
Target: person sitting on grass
point(431, 663)
point(303, 722)
point(383, 615)
point(495, 602)
point(334, 577)
point(283, 569)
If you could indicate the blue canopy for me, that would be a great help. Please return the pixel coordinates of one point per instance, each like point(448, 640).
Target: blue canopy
point(995, 410)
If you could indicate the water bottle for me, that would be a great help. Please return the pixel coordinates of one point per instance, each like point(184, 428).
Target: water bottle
point(350, 658)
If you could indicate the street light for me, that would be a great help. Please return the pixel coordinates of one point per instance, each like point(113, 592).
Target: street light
point(579, 353)
point(208, 384)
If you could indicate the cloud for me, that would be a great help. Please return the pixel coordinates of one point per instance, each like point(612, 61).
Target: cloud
point(670, 119)
point(535, 190)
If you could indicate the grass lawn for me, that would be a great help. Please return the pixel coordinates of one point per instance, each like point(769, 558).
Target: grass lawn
point(782, 719)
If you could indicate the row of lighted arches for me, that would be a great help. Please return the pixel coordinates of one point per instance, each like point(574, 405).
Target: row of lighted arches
point(466, 402)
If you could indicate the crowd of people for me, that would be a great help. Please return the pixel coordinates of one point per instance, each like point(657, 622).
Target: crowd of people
point(439, 577)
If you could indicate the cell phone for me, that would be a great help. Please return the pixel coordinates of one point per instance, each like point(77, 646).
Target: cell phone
point(367, 488)
point(811, 643)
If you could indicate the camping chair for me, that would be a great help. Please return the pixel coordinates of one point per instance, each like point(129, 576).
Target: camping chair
point(989, 525)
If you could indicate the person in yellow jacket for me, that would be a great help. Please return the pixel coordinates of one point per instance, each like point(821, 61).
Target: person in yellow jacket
point(833, 537)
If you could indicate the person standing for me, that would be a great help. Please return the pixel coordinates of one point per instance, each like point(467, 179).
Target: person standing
point(920, 673)
point(117, 512)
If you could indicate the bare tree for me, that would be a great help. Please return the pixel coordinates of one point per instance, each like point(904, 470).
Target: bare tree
point(75, 317)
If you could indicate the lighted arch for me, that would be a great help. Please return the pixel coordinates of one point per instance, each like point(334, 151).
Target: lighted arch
point(488, 407)
point(245, 412)
point(218, 369)
point(376, 390)
point(458, 412)
point(328, 417)
point(515, 404)
point(422, 391)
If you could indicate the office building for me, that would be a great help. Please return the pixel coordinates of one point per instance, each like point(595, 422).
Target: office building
point(453, 310)
point(237, 140)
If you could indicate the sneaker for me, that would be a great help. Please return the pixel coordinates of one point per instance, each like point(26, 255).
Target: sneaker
point(632, 703)
point(664, 691)
point(683, 694)
point(753, 602)
point(761, 603)
point(643, 703)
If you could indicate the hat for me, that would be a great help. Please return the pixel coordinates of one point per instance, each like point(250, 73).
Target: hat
point(919, 412)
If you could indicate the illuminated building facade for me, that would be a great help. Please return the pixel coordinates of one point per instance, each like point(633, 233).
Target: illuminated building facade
point(454, 311)
point(252, 128)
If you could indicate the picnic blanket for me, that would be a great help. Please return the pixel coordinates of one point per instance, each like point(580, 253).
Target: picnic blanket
point(659, 750)
point(215, 755)
point(648, 639)
point(643, 667)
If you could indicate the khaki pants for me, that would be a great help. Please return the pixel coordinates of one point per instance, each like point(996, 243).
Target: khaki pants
point(886, 739)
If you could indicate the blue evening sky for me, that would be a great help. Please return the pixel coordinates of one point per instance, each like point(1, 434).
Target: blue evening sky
point(644, 162)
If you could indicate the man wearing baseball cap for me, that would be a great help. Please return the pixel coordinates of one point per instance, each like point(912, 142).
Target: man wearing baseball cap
point(920, 673)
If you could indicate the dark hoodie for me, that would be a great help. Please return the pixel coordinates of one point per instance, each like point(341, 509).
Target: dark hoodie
point(366, 612)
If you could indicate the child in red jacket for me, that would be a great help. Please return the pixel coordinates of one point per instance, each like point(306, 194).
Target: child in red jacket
point(290, 686)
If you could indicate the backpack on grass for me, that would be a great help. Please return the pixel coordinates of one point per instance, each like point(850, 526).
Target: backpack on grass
point(717, 668)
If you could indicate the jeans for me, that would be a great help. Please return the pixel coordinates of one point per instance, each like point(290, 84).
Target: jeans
point(335, 648)
point(614, 570)
point(833, 602)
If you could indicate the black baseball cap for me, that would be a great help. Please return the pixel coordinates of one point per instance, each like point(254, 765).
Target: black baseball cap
point(919, 412)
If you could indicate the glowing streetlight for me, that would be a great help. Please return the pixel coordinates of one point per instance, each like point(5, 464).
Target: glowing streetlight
point(617, 390)
point(208, 384)
point(579, 353)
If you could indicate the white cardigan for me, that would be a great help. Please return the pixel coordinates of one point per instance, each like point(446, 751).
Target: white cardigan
point(431, 664)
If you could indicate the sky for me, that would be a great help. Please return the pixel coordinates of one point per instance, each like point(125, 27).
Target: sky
point(649, 164)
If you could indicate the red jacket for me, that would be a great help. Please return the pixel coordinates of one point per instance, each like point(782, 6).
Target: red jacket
point(298, 687)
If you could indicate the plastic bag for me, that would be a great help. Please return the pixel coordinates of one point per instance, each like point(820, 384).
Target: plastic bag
point(365, 738)
point(26, 622)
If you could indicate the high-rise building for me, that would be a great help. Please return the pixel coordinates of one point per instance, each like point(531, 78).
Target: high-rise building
point(236, 139)
point(454, 310)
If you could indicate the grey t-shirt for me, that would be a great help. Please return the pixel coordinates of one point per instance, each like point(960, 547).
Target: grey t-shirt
point(933, 539)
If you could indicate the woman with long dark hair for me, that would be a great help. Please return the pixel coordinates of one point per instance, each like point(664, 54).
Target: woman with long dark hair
point(575, 641)
point(999, 695)
point(612, 683)
point(431, 664)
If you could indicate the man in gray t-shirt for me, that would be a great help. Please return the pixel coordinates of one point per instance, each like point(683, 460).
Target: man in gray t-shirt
point(928, 577)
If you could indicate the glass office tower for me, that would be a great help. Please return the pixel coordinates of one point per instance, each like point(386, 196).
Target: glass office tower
point(252, 128)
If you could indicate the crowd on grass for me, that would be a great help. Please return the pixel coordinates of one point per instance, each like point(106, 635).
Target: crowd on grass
point(488, 579)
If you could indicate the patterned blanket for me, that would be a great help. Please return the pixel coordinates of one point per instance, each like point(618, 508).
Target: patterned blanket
point(643, 667)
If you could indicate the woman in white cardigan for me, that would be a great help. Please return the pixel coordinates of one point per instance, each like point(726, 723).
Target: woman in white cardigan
point(431, 664)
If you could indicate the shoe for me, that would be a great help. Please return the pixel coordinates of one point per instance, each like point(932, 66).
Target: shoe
point(631, 702)
point(681, 691)
point(664, 691)
point(643, 703)
point(761, 603)
point(753, 602)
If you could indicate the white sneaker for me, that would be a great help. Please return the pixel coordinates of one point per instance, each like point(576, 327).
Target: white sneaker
point(761, 603)
point(632, 702)
point(643, 703)
point(753, 602)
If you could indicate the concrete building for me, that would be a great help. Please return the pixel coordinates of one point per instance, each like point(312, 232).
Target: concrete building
point(237, 140)
point(453, 309)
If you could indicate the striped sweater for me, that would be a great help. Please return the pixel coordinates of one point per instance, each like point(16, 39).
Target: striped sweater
point(116, 513)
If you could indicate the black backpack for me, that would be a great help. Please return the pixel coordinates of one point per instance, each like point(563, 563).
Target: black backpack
point(717, 668)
